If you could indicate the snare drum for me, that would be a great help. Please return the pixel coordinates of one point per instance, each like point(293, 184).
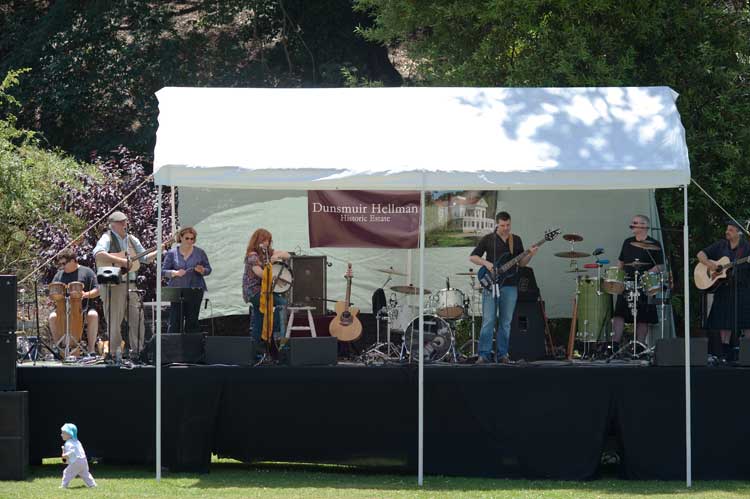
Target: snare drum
point(448, 303)
point(614, 281)
point(652, 282)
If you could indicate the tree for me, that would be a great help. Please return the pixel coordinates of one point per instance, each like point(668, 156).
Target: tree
point(699, 48)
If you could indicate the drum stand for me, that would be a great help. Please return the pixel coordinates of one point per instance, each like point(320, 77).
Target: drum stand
point(383, 351)
point(633, 296)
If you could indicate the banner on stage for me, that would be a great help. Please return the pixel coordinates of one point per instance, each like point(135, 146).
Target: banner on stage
point(363, 219)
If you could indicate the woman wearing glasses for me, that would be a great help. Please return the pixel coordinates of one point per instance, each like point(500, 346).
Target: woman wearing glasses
point(185, 266)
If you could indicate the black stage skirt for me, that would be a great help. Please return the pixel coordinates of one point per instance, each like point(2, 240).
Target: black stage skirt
point(646, 313)
point(722, 310)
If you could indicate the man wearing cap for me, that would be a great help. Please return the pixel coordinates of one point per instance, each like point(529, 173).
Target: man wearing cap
point(722, 315)
point(110, 250)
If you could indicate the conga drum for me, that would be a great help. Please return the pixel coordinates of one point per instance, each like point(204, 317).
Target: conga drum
point(75, 292)
point(57, 295)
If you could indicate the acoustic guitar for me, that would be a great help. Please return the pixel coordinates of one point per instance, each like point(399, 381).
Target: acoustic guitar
point(705, 279)
point(134, 259)
point(346, 326)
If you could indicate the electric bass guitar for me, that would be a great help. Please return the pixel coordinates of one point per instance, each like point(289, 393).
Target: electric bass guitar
point(346, 326)
point(707, 280)
point(507, 265)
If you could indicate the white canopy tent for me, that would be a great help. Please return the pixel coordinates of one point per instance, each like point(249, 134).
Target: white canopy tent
point(425, 139)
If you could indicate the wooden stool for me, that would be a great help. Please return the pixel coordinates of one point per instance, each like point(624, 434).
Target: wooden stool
point(310, 323)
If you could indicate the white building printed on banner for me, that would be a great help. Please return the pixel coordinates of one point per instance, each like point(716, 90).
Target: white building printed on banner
point(465, 215)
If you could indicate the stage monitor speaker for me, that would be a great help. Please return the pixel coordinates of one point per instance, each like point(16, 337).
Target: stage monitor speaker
point(671, 352)
point(14, 435)
point(177, 349)
point(8, 353)
point(320, 351)
point(233, 350)
point(527, 332)
point(310, 284)
point(8, 292)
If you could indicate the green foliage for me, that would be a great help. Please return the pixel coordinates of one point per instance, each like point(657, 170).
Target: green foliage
point(701, 49)
point(97, 65)
point(32, 187)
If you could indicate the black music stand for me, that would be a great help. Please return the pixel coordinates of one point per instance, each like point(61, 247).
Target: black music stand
point(179, 296)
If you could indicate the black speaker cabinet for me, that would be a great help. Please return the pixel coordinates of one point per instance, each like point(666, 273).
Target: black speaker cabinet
point(8, 355)
point(527, 332)
point(8, 291)
point(14, 435)
point(320, 351)
point(233, 350)
point(310, 285)
point(671, 352)
point(177, 349)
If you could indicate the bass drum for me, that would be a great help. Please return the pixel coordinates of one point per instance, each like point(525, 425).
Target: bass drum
point(283, 278)
point(438, 338)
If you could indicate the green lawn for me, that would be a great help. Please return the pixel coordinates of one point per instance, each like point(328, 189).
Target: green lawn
point(235, 480)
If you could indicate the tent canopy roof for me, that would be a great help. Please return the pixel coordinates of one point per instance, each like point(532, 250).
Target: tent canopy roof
point(413, 138)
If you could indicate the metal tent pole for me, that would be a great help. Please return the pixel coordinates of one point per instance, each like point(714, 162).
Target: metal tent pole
point(686, 290)
point(420, 470)
point(158, 334)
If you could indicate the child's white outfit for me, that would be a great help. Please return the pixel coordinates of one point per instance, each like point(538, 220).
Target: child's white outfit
point(78, 465)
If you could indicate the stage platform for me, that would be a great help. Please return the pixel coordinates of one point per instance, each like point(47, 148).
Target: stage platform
point(534, 420)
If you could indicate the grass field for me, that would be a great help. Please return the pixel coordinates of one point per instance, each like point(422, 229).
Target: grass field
point(236, 480)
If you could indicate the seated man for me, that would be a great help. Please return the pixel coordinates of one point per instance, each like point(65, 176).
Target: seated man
point(71, 272)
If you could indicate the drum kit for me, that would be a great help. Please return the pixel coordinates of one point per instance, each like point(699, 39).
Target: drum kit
point(443, 310)
point(593, 297)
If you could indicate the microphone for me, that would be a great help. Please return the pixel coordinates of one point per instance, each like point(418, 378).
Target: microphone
point(598, 251)
point(448, 282)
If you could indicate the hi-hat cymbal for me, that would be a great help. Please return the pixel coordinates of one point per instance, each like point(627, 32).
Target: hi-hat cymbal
point(573, 238)
point(646, 246)
point(638, 264)
point(471, 273)
point(409, 290)
point(390, 270)
point(572, 254)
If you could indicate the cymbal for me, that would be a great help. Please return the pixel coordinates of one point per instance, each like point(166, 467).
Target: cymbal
point(572, 238)
point(471, 272)
point(576, 271)
point(646, 246)
point(390, 270)
point(572, 254)
point(638, 264)
point(409, 290)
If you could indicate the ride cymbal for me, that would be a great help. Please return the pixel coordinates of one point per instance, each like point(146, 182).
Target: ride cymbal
point(573, 238)
point(390, 270)
point(409, 290)
point(646, 246)
point(572, 254)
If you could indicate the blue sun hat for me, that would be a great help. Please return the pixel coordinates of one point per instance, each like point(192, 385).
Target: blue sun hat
point(71, 430)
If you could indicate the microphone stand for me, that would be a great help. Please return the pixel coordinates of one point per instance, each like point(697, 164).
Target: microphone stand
point(118, 359)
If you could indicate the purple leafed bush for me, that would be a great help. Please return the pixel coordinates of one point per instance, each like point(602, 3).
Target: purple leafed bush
point(118, 174)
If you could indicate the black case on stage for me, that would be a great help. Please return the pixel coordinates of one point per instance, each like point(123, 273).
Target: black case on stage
point(671, 352)
point(320, 351)
point(177, 349)
point(233, 350)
